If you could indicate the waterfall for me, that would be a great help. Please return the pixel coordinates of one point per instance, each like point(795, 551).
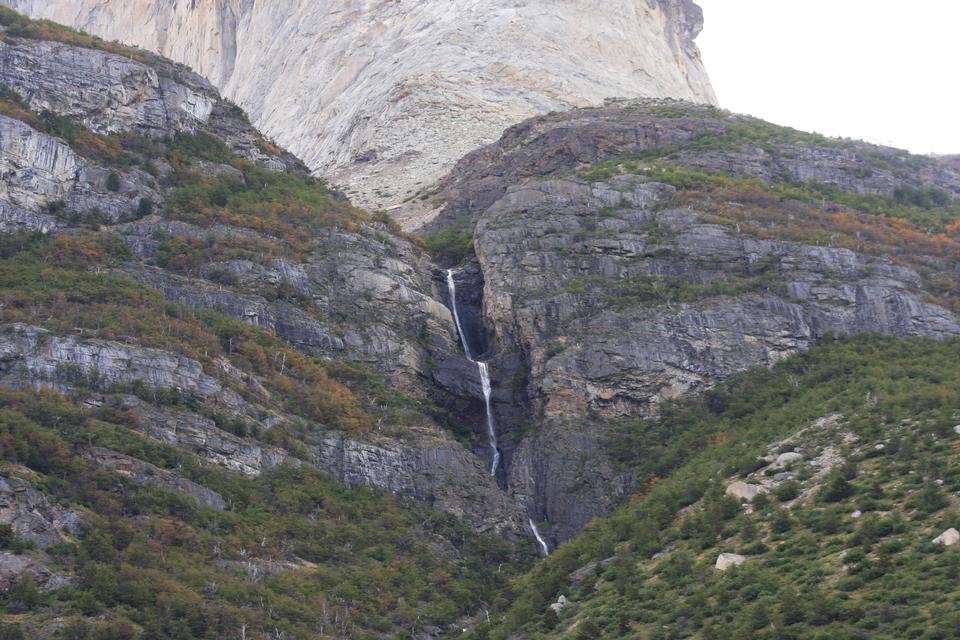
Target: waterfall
point(536, 534)
point(484, 374)
point(491, 429)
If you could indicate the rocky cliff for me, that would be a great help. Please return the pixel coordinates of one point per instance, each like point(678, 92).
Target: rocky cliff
point(637, 252)
point(199, 341)
point(384, 97)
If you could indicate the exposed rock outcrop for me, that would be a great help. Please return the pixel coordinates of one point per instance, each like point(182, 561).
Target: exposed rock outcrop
point(31, 355)
point(33, 517)
point(745, 491)
point(571, 273)
point(13, 569)
point(108, 93)
point(36, 168)
point(147, 474)
point(200, 434)
point(387, 96)
point(729, 560)
point(690, 135)
point(948, 538)
point(430, 468)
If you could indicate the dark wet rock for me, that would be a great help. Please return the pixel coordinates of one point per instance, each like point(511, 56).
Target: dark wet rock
point(428, 467)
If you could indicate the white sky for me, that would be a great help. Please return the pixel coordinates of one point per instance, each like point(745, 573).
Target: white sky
point(886, 71)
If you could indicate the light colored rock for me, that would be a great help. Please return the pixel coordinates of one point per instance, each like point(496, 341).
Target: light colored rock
point(948, 538)
point(560, 604)
point(108, 93)
point(745, 491)
point(956, 429)
point(36, 169)
point(856, 514)
point(385, 96)
point(728, 560)
point(788, 459)
point(39, 357)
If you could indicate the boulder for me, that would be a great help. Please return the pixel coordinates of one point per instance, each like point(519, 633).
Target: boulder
point(744, 491)
point(559, 605)
point(788, 459)
point(948, 538)
point(727, 560)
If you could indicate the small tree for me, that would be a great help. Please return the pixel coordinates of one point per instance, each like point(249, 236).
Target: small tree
point(113, 181)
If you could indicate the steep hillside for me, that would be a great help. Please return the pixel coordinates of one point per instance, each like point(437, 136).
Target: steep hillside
point(807, 501)
point(384, 97)
point(232, 404)
point(192, 377)
point(644, 250)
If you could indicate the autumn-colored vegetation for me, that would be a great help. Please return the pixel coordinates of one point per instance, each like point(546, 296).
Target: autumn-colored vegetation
point(20, 26)
point(154, 565)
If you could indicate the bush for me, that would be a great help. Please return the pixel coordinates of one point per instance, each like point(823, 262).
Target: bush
point(113, 181)
point(787, 491)
point(450, 247)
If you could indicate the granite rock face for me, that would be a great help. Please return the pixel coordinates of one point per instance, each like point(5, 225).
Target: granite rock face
point(385, 97)
point(34, 356)
point(554, 264)
point(45, 182)
point(571, 271)
point(108, 93)
point(37, 168)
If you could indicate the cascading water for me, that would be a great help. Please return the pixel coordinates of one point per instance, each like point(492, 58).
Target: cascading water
point(491, 429)
point(484, 374)
point(536, 534)
point(485, 384)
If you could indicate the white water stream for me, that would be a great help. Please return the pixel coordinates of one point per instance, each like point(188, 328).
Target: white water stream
point(536, 534)
point(484, 375)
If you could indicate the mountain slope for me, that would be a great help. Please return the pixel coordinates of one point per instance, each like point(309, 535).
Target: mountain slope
point(853, 451)
point(210, 357)
point(191, 405)
point(644, 250)
point(384, 97)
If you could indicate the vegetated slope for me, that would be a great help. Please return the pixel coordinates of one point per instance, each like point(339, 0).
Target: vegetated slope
point(645, 250)
point(182, 283)
point(385, 97)
point(191, 399)
point(853, 448)
point(199, 209)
